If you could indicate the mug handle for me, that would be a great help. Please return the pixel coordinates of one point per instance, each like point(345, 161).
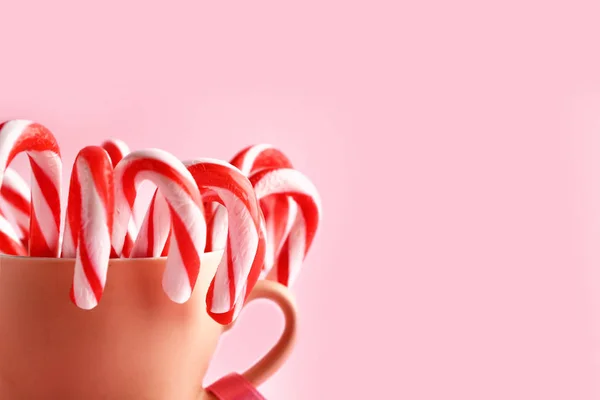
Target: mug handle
point(264, 368)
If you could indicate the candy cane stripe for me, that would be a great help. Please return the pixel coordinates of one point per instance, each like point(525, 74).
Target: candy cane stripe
point(250, 160)
point(90, 213)
point(291, 183)
point(18, 136)
point(244, 250)
point(188, 236)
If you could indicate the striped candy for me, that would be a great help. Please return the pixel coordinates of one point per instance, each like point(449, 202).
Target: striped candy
point(89, 224)
point(20, 136)
point(289, 182)
point(272, 183)
point(245, 248)
point(15, 200)
point(188, 228)
point(117, 149)
point(221, 183)
point(279, 211)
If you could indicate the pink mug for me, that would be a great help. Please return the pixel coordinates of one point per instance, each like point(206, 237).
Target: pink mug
point(136, 344)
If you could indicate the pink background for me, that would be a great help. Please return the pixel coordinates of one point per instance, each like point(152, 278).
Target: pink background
point(456, 146)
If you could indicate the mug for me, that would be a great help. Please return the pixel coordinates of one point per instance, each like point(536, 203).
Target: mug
point(135, 345)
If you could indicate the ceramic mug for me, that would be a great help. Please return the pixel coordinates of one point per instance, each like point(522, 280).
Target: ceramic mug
point(136, 344)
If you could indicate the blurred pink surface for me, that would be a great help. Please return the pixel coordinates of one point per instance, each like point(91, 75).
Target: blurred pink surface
point(456, 146)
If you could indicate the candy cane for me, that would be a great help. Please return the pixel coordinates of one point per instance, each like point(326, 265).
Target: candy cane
point(18, 136)
point(188, 228)
point(15, 199)
point(286, 183)
point(289, 182)
point(279, 211)
point(224, 184)
point(117, 149)
point(90, 211)
point(245, 250)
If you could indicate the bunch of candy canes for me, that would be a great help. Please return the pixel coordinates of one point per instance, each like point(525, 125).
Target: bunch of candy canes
point(258, 209)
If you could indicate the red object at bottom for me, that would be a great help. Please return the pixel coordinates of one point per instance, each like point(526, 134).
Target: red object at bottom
point(234, 387)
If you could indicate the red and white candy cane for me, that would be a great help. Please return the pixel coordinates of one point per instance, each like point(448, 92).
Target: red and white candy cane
point(286, 183)
point(244, 253)
point(223, 184)
point(117, 149)
point(279, 211)
point(292, 183)
point(188, 228)
point(20, 136)
point(90, 212)
point(15, 201)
